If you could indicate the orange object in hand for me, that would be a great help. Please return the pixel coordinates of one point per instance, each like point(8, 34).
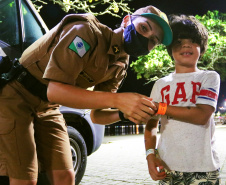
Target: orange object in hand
point(162, 108)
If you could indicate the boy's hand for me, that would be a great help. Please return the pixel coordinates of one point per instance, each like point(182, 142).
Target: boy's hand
point(155, 168)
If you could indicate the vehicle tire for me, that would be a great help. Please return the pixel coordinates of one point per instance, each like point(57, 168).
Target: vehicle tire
point(79, 153)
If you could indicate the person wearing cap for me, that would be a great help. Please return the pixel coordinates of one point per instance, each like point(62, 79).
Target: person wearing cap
point(77, 53)
point(187, 99)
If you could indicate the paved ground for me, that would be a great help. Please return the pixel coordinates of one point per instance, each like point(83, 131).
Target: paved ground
point(121, 160)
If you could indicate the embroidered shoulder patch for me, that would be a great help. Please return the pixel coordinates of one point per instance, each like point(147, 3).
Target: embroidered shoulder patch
point(79, 46)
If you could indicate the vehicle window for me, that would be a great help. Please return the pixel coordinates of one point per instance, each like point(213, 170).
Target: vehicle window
point(32, 29)
point(9, 32)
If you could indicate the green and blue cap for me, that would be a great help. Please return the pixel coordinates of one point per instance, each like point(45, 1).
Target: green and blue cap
point(159, 17)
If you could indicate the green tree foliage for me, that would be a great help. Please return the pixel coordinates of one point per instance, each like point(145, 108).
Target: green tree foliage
point(158, 63)
point(96, 7)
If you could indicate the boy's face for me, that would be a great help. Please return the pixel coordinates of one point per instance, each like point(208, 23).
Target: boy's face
point(148, 29)
point(185, 53)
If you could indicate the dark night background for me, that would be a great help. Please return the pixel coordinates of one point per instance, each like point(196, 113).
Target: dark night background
point(52, 14)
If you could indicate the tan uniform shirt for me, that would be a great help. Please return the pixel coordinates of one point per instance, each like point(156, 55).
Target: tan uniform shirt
point(78, 51)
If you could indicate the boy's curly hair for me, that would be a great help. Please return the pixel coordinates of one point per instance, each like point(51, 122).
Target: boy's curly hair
point(188, 27)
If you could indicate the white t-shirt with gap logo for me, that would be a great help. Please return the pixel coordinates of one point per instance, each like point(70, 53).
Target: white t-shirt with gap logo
point(184, 146)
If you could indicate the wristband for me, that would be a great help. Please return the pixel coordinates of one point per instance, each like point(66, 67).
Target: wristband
point(162, 108)
point(150, 151)
point(121, 116)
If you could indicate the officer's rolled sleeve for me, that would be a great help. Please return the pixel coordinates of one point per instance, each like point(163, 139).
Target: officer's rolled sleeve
point(113, 84)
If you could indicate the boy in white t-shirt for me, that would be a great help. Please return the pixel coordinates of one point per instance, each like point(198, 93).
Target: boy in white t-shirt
point(186, 101)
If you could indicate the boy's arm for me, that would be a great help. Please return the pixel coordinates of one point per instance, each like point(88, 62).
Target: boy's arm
point(150, 138)
point(198, 115)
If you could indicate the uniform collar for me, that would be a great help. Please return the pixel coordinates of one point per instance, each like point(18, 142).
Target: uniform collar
point(116, 44)
point(115, 47)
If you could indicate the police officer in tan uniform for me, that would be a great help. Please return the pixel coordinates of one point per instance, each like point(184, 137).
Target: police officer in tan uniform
point(78, 53)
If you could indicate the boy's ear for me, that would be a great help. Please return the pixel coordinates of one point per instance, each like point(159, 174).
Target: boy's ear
point(126, 21)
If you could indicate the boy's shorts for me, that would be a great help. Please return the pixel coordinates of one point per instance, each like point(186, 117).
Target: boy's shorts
point(31, 131)
point(191, 178)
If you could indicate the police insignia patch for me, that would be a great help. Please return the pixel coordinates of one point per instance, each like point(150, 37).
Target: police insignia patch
point(79, 46)
point(115, 49)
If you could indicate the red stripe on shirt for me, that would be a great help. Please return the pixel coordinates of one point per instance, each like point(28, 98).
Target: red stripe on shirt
point(208, 93)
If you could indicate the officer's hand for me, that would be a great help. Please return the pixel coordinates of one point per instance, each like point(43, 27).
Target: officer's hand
point(136, 107)
point(155, 167)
